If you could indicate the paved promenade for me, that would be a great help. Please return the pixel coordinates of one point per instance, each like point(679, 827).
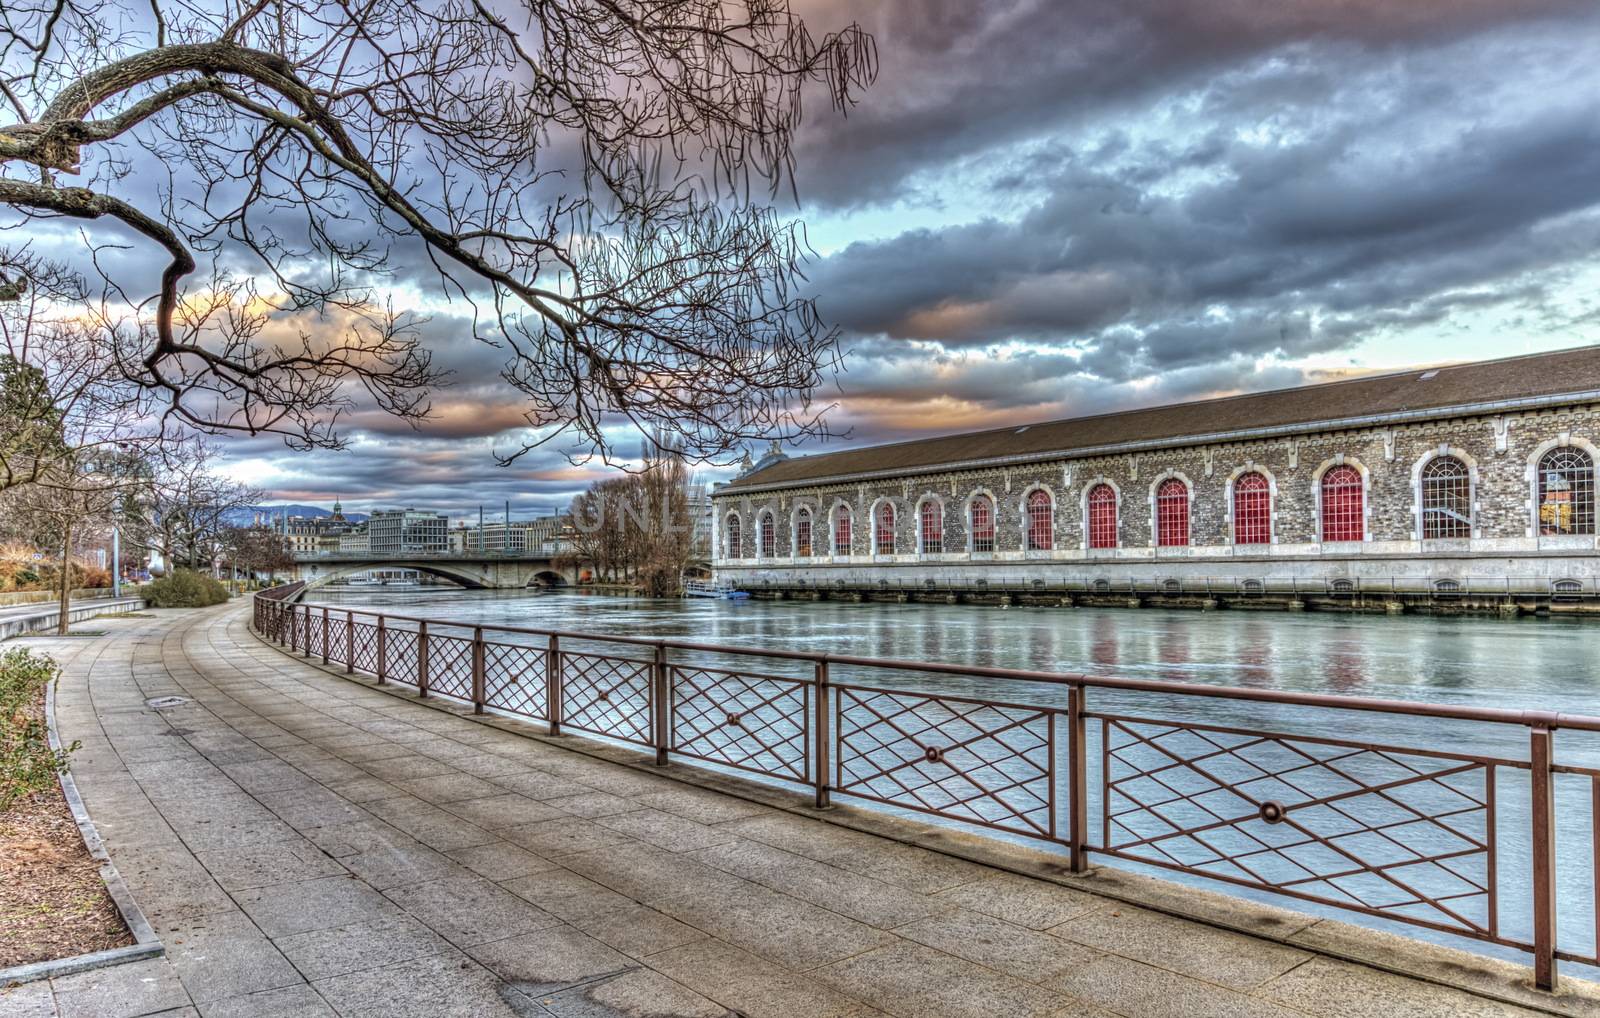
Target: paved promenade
point(306, 846)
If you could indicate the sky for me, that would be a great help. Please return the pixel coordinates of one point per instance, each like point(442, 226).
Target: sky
point(1046, 208)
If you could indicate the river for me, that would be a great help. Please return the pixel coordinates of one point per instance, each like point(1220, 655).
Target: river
point(1528, 663)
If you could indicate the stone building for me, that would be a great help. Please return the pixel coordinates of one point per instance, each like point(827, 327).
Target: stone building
point(1463, 480)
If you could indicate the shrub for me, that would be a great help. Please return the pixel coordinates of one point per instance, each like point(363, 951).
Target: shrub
point(184, 588)
point(27, 763)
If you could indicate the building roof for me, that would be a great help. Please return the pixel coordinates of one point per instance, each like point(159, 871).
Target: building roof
point(1416, 393)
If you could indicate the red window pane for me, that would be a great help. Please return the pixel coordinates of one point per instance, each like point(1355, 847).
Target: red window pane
point(1342, 505)
point(885, 535)
point(733, 549)
point(802, 533)
point(932, 528)
point(982, 524)
point(1103, 516)
point(1172, 513)
point(1041, 525)
point(841, 531)
point(769, 537)
point(1252, 510)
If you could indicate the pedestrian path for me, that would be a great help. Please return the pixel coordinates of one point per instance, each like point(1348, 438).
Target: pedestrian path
point(308, 846)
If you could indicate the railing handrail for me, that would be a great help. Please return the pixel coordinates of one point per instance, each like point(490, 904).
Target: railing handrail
point(1377, 705)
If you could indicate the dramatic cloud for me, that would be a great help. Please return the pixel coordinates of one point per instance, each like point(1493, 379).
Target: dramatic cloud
point(1055, 207)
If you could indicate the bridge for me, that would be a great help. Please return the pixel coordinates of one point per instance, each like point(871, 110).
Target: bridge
point(478, 570)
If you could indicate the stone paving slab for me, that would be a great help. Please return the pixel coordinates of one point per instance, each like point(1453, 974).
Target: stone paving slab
point(308, 846)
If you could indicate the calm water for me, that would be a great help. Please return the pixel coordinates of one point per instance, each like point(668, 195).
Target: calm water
point(1539, 664)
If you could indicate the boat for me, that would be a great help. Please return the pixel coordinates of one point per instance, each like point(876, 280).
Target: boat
point(727, 592)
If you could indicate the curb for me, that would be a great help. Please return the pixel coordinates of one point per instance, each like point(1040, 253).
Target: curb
point(1481, 976)
point(146, 944)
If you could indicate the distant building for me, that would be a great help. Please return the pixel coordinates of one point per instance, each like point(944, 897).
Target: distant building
point(408, 532)
point(545, 537)
point(550, 536)
point(356, 541)
point(312, 535)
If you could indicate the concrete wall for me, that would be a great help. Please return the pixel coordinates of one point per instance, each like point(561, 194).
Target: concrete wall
point(48, 616)
point(11, 598)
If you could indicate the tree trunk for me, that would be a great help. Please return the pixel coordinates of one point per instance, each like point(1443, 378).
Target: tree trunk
point(65, 600)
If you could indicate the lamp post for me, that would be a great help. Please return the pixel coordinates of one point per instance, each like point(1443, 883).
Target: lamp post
point(116, 549)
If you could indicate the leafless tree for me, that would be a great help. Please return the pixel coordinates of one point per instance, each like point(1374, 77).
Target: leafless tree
point(61, 393)
point(185, 508)
point(256, 550)
point(595, 177)
point(73, 500)
point(635, 527)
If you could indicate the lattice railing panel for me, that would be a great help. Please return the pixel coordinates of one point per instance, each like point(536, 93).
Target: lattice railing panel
point(758, 723)
point(400, 656)
point(514, 679)
point(338, 633)
point(312, 633)
point(1403, 833)
point(982, 763)
point(607, 696)
point(450, 666)
point(366, 647)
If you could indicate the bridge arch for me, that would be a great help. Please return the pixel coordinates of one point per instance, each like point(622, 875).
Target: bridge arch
point(318, 574)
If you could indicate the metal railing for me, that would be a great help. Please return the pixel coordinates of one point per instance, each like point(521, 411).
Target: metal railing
point(1424, 836)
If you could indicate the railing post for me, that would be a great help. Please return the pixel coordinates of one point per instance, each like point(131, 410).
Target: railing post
point(663, 703)
point(1077, 780)
point(477, 670)
point(349, 642)
point(383, 650)
point(821, 749)
point(552, 684)
point(1544, 857)
point(324, 634)
point(422, 659)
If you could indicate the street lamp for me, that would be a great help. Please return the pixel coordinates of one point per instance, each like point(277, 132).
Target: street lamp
point(116, 549)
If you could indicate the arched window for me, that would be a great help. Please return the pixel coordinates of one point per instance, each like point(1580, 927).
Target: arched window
point(841, 530)
point(1252, 510)
point(1102, 516)
point(734, 549)
point(767, 535)
point(1566, 492)
point(982, 523)
point(884, 535)
point(1446, 498)
point(802, 533)
point(1343, 505)
point(1172, 513)
point(1041, 521)
point(932, 527)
